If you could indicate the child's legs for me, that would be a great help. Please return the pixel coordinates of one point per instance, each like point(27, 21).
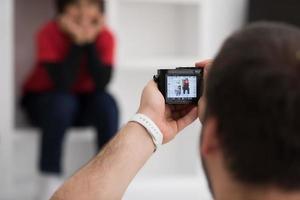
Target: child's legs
point(54, 113)
point(102, 112)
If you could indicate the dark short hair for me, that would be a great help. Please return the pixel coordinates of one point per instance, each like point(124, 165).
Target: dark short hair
point(253, 91)
point(62, 4)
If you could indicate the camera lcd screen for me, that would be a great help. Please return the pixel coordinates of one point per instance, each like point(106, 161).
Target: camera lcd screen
point(181, 87)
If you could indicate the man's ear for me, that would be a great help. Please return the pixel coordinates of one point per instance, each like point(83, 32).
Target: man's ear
point(210, 143)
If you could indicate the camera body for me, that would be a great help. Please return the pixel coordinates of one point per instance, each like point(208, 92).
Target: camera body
point(183, 85)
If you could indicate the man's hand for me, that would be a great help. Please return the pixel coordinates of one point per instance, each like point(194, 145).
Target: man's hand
point(169, 118)
point(202, 102)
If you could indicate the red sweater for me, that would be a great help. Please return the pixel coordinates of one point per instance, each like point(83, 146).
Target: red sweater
point(52, 47)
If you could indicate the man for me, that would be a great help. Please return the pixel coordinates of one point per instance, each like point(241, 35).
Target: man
point(250, 142)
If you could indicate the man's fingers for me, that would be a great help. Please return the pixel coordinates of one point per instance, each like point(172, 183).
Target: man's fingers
point(186, 111)
point(176, 116)
point(152, 84)
point(203, 64)
point(168, 112)
point(187, 119)
point(179, 108)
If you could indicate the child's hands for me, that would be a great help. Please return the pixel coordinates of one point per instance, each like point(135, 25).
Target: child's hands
point(91, 32)
point(92, 23)
point(92, 26)
point(85, 28)
point(73, 27)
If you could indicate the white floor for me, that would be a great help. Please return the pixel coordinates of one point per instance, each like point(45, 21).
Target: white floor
point(169, 174)
point(157, 180)
point(175, 188)
point(180, 188)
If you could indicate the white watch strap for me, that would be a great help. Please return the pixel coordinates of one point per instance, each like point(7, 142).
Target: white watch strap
point(151, 127)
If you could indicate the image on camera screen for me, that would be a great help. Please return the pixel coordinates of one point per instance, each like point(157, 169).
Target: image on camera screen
point(181, 87)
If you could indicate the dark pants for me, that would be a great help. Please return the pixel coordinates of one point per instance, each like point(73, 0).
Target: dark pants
point(186, 89)
point(55, 112)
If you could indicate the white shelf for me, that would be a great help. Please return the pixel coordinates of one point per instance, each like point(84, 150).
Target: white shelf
point(152, 34)
point(155, 63)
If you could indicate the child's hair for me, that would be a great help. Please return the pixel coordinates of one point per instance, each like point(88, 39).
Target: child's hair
point(62, 4)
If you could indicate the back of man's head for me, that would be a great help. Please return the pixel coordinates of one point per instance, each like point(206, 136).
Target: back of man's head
point(254, 93)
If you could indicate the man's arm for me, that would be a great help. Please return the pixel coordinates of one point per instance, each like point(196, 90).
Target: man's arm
point(109, 174)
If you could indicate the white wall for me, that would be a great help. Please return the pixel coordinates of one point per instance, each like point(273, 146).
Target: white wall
point(6, 85)
point(29, 16)
point(220, 19)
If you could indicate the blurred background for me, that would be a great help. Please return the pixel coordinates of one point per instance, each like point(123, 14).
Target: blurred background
point(150, 34)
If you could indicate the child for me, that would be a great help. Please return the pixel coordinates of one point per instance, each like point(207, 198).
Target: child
point(67, 86)
point(186, 86)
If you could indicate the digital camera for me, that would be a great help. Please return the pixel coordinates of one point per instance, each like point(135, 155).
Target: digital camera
point(183, 85)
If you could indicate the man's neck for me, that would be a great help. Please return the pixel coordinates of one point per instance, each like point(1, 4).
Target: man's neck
point(261, 193)
point(226, 187)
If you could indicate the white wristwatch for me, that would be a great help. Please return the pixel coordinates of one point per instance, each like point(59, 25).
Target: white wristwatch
point(151, 127)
